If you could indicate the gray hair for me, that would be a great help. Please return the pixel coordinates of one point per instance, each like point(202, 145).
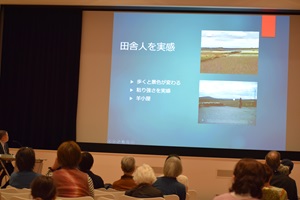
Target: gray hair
point(128, 164)
point(144, 174)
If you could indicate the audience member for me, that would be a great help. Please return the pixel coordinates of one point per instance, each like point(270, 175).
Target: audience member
point(181, 178)
point(126, 182)
point(284, 169)
point(5, 150)
point(281, 180)
point(272, 192)
point(25, 161)
point(248, 181)
point(184, 180)
point(85, 165)
point(144, 177)
point(288, 163)
point(68, 179)
point(168, 183)
point(43, 188)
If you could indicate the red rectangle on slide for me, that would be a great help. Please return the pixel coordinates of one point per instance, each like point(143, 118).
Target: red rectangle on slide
point(268, 26)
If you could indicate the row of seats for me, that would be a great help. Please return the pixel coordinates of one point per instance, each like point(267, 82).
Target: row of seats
point(11, 193)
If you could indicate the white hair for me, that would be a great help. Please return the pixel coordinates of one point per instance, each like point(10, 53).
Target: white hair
point(144, 174)
point(184, 180)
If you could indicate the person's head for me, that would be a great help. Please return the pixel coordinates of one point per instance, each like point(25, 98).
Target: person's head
point(282, 169)
point(172, 167)
point(128, 164)
point(69, 154)
point(43, 188)
point(184, 180)
point(87, 161)
point(289, 163)
point(273, 160)
point(144, 174)
point(249, 176)
point(268, 173)
point(25, 159)
point(4, 136)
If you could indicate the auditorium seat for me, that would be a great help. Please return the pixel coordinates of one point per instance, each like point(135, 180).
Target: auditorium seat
point(75, 198)
point(104, 194)
point(110, 193)
point(193, 195)
point(125, 197)
point(19, 198)
point(101, 198)
point(9, 195)
point(171, 197)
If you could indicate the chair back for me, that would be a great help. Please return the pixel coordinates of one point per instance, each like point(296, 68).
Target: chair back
point(171, 197)
point(115, 194)
point(76, 198)
point(193, 195)
point(126, 197)
point(101, 198)
point(104, 194)
point(9, 195)
point(19, 198)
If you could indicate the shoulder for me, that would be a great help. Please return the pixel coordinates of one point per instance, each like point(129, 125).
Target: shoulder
point(291, 180)
point(269, 193)
point(91, 174)
point(13, 176)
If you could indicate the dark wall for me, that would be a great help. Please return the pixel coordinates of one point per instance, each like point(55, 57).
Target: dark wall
point(39, 74)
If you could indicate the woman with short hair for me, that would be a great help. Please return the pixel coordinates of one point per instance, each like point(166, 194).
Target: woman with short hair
point(43, 188)
point(248, 181)
point(144, 177)
point(25, 161)
point(168, 183)
point(68, 179)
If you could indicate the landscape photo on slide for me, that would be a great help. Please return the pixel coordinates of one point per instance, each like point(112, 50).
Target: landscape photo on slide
point(229, 52)
point(227, 102)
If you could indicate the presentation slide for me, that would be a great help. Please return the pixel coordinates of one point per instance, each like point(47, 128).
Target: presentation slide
point(199, 80)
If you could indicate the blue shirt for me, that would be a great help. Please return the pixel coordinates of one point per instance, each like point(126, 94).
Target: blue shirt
point(169, 185)
point(22, 179)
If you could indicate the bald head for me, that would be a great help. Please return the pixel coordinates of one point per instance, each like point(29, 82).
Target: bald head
point(273, 160)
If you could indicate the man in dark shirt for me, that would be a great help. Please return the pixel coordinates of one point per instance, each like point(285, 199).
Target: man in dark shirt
point(85, 165)
point(281, 180)
point(5, 150)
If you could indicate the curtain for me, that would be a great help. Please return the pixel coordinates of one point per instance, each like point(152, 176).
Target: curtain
point(39, 74)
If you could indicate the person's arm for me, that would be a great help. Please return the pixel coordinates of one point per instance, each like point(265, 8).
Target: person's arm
point(6, 148)
point(54, 167)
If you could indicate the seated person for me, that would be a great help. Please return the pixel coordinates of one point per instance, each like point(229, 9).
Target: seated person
point(279, 179)
point(248, 181)
point(168, 183)
point(43, 188)
point(126, 182)
point(25, 160)
point(282, 169)
point(184, 180)
point(85, 165)
point(68, 179)
point(271, 192)
point(289, 164)
point(5, 150)
point(144, 177)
